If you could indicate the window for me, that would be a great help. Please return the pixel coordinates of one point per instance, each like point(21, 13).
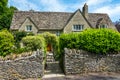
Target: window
point(78, 27)
point(103, 26)
point(58, 33)
point(29, 28)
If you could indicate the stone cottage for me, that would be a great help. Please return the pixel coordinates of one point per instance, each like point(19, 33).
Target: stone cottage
point(57, 22)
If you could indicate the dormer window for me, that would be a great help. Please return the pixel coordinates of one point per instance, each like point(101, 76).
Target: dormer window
point(28, 27)
point(78, 27)
point(103, 26)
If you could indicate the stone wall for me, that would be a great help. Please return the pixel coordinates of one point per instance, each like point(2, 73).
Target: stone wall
point(23, 67)
point(79, 61)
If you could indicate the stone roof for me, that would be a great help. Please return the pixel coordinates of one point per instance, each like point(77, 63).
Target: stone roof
point(52, 20)
point(43, 20)
point(95, 18)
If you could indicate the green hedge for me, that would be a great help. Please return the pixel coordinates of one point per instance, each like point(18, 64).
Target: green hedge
point(92, 40)
point(6, 42)
point(33, 42)
point(100, 40)
point(69, 40)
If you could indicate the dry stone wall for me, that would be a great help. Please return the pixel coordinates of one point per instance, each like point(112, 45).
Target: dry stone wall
point(22, 68)
point(80, 61)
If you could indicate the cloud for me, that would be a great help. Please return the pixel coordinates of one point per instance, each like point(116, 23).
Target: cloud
point(90, 3)
point(97, 6)
point(24, 4)
point(53, 5)
point(112, 11)
point(96, 2)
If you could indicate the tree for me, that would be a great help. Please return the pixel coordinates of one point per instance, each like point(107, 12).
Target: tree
point(6, 14)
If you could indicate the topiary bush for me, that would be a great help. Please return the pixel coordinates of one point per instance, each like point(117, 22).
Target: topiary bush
point(33, 42)
point(6, 42)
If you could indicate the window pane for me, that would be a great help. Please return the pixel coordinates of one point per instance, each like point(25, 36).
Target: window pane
point(103, 26)
point(28, 27)
point(74, 27)
point(78, 27)
point(82, 27)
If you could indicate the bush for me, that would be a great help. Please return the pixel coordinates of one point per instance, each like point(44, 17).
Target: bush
point(6, 42)
point(92, 40)
point(100, 40)
point(18, 35)
point(68, 41)
point(33, 42)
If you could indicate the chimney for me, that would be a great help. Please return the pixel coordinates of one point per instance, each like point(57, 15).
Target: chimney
point(85, 10)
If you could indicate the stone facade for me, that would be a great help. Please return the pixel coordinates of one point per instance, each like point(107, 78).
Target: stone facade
point(22, 68)
point(28, 21)
point(79, 61)
point(76, 19)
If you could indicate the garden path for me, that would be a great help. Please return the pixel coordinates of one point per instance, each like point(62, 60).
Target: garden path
point(52, 68)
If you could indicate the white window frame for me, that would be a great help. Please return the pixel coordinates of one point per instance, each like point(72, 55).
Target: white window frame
point(103, 26)
point(78, 27)
point(28, 28)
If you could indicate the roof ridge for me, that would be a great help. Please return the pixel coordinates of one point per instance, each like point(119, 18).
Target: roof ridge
point(39, 12)
point(99, 13)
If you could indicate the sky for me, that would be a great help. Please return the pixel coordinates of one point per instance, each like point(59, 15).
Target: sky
point(111, 7)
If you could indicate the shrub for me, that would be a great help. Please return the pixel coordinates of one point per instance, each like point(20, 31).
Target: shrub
point(92, 40)
point(6, 42)
point(18, 35)
point(100, 40)
point(69, 40)
point(33, 42)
